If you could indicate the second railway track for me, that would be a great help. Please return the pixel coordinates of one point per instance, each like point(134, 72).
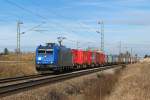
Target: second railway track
point(13, 79)
point(35, 81)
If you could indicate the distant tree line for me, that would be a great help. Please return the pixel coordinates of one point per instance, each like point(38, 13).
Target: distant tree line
point(5, 52)
point(147, 56)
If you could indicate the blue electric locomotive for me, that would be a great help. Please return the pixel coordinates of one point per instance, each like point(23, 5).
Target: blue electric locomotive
point(52, 57)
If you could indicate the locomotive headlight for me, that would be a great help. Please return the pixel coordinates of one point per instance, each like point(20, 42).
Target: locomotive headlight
point(39, 58)
point(51, 62)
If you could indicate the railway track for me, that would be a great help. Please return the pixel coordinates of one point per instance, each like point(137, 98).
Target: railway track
point(43, 80)
point(13, 79)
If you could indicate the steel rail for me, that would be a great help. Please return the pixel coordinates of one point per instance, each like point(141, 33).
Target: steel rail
point(13, 88)
point(13, 79)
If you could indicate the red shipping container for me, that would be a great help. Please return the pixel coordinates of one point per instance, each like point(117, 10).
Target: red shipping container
point(100, 58)
point(97, 59)
point(84, 57)
point(87, 57)
point(77, 56)
point(94, 57)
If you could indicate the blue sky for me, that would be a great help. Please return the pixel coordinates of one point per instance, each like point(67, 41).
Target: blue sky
point(125, 20)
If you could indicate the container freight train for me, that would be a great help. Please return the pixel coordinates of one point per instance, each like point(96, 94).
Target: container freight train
point(52, 57)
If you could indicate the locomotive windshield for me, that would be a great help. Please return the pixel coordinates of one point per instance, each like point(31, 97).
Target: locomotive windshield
point(41, 51)
point(49, 51)
point(45, 51)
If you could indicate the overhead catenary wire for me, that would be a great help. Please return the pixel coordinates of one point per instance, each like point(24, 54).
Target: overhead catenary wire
point(31, 12)
point(34, 27)
point(80, 23)
point(23, 8)
point(83, 25)
point(38, 15)
point(44, 18)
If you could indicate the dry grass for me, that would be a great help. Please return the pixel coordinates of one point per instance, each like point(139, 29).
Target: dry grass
point(133, 84)
point(92, 88)
point(87, 87)
point(12, 69)
point(98, 89)
point(13, 57)
point(145, 60)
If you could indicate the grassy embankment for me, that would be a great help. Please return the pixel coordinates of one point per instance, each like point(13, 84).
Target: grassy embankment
point(89, 87)
point(131, 83)
point(12, 69)
point(92, 88)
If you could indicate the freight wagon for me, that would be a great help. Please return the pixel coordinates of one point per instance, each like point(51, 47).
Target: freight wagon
point(77, 58)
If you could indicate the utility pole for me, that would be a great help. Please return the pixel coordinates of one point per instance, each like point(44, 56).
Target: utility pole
point(131, 55)
point(77, 44)
point(18, 42)
point(131, 51)
point(18, 49)
point(120, 46)
point(18, 36)
point(102, 34)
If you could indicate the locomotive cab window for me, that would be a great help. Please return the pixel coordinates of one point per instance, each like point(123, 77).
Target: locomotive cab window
point(49, 51)
point(41, 51)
